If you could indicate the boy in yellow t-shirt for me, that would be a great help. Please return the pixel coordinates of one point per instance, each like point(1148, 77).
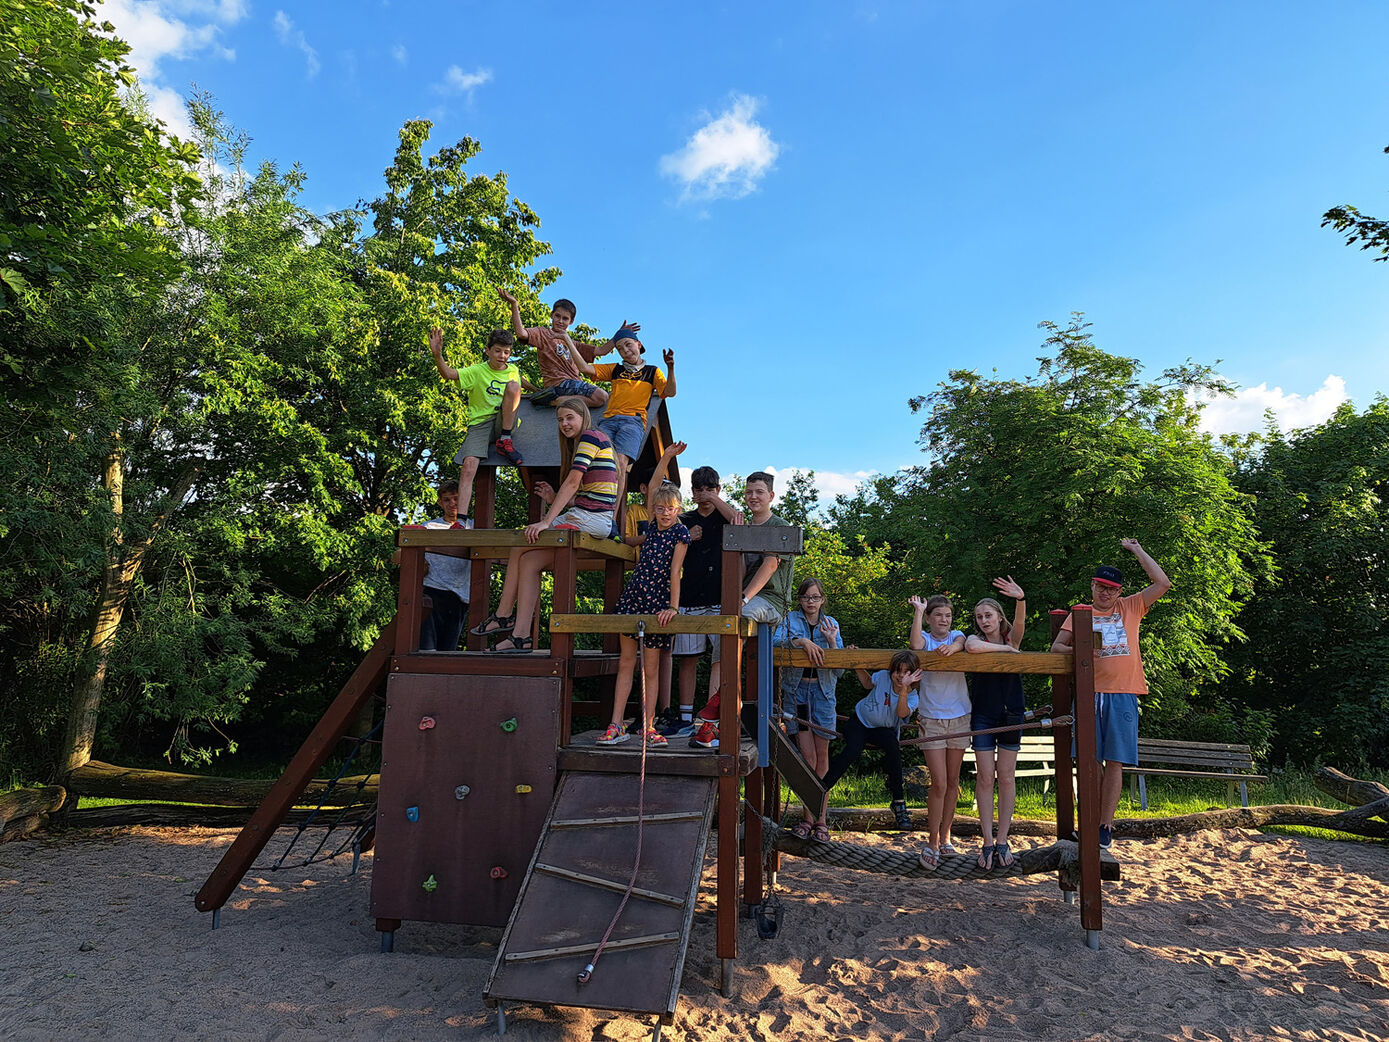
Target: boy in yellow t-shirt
point(633, 386)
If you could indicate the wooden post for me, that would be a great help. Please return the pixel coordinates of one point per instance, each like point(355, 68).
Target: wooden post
point(1061, 702)
point(614, 574)
point(752, 793)
point(730, 705)
point(484, 516)
point(1087, 772)
point(409, 602)
point(562, 644)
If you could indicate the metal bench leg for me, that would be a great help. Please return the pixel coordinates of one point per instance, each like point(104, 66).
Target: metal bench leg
point(1243, 794)
point(1143, 791)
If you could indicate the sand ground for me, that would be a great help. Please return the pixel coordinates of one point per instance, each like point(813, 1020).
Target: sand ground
point(1227, 935)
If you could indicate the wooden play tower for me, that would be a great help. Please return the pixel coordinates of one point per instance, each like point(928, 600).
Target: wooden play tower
point(493, 811)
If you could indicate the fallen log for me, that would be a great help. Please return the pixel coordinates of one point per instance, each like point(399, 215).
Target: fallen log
point(1347, 789)
point(131, 783)
point(22, 803)
point(874, 819)
point(19, 828)
point(181, 815)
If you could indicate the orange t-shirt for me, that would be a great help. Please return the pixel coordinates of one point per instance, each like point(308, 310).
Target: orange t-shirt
point(556, 361)
point(1118, 665)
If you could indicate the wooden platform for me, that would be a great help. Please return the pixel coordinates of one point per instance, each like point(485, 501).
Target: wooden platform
point(575, 884)
point(583, 753)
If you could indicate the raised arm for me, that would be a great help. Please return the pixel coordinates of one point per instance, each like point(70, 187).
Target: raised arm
point(669, 390)
point(904, 709)
point(625, 330)
point(915, 641)
point(663, 464)
point(1158, 583)
point(585, 366)
point(1006, 586)
point(436, 348)
point(730, 513)
point(517, 326)
point(865, 678)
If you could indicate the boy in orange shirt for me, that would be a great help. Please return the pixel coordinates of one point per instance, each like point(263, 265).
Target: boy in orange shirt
point(563, 364)
point(1119, 677)
point(633, 386)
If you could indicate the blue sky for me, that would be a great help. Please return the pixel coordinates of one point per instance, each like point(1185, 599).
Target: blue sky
point(824, 207)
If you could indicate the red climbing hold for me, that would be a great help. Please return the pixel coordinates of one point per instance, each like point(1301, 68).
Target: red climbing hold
point(498, 872)
point(426, 722)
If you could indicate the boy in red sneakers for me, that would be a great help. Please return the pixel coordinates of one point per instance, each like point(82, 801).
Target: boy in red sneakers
point(493, 389)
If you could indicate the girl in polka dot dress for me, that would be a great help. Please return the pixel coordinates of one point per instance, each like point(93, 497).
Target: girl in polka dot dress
point(653, 588)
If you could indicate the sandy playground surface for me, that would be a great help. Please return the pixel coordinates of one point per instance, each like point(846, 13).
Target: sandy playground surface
point(1231, 935)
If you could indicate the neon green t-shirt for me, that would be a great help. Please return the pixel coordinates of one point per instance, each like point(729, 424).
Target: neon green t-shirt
point(485, 388)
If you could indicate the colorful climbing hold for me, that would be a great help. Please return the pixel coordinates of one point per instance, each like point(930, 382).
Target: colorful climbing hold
point(508, 725)
point(461, 791)
point(412, 814)
point(498, 872)
point(430, 885)
point(521, 790)
point(426, 722)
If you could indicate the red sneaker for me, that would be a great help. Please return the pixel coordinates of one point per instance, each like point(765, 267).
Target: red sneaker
point(506, 449)
point(707, 737)
point(711, 711)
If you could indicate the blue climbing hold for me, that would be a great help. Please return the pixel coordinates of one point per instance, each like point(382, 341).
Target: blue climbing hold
point(412, 813)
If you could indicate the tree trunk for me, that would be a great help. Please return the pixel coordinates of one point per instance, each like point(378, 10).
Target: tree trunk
point(95, 778)
point(23, 802)
point(122, 565)
point(1347, 789)
point(115, 587)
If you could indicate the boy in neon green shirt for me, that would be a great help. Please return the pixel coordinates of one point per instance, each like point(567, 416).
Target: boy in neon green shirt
point(493, 388)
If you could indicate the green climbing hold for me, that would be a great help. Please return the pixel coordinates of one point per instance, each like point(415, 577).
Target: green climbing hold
point(509, 725)
point(430, 885)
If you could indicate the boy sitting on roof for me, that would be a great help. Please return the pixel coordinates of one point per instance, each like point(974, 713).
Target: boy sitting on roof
point(563, 365)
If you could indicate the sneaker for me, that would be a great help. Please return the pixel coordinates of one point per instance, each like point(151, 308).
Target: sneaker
point(545, 397)
point(506, 449)
point(710, 712)
point(902, 815)
point(676, 728)
point(614, 735)
point(1106, 837)
point(707, 737)
point(655, 740)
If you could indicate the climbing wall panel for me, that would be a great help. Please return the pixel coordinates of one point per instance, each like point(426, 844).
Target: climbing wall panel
point(467, 773)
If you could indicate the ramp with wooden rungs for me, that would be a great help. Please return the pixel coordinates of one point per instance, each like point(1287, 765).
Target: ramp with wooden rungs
point(575, 883)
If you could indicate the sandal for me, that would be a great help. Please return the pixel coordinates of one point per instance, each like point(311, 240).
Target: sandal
point(948, 848)
point(519, 646)
point(1004, 855)
point(493, 624)
point(985, 860)
point(929, 858)
point(801, 829)
point(821, 833)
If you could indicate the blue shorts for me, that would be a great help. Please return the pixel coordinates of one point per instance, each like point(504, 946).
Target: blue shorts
point(1116, 728)
point(565, 388)
point(625, 432)
point(814, 705)
point(1004, 739)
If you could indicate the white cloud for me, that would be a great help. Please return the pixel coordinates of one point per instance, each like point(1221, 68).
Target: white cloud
point(290, 36)
point(456, 81)
point(1245, 411)
point(829, 483)
point(155, 33)
point(400, 54)
point(725, 158)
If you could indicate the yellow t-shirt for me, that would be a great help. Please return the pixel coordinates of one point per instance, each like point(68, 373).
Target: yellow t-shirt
point(631, 388)
point(636, 514)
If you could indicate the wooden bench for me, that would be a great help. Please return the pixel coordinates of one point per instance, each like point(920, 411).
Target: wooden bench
point(1233, 763)
point(1038, 750)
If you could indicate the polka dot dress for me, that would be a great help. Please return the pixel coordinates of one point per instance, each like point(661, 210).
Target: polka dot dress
point(648, 587)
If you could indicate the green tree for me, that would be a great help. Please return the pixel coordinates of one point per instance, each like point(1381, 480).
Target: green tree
point(1041, 478)
point(1371, 232)
point(1317, 658)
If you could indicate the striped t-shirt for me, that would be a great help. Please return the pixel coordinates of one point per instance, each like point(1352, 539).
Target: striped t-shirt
point(593, 458)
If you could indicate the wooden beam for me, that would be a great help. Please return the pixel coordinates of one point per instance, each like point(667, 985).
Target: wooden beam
point(719, 625)
point(503, 539)
point(1045, 662)
point(764, 539)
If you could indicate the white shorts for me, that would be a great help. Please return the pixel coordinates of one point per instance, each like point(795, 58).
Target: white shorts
point(695, 643)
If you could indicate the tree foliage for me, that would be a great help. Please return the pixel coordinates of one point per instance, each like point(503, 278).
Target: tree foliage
point(1041, 478)
point(1370, 232)
point(1317, 658)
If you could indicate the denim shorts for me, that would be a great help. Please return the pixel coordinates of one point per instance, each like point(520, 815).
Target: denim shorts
point(1011, 740)
point(814, 705)
point(581, 388)
point(625, 432)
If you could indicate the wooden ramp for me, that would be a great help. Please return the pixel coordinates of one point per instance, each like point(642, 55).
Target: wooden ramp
point(575, 883)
